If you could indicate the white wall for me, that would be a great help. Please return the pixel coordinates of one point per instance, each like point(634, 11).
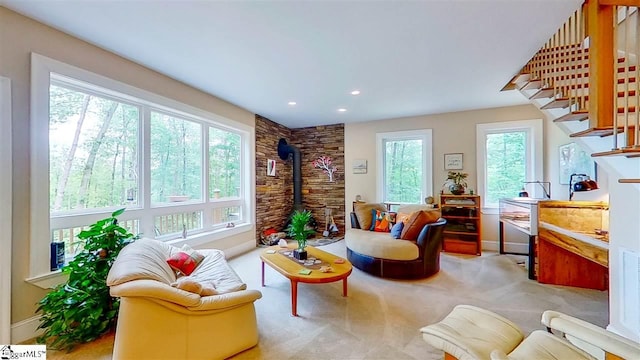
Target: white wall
point(624, 235)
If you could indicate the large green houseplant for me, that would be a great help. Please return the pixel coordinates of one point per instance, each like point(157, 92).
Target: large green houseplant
point(82, 309)
point(300, 230)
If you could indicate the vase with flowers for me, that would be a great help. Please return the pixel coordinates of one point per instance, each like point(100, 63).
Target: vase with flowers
point(457, 182)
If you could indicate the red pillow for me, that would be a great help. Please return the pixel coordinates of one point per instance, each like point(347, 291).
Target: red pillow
point(186, 260)
point(416, 222)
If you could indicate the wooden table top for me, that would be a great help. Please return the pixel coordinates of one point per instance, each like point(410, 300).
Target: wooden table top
point(285, 266)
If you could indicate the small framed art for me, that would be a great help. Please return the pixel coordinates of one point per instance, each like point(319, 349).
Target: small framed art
point(271, 167)
point(453, 161)
point(573, 160)
point(359, 166)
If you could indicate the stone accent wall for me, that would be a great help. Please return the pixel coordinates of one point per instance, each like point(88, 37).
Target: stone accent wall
point(274, 194)
point(318, 193)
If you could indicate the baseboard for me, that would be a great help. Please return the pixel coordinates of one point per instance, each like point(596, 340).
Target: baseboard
point(25, 330)
point(490, 245)
point(240, 248)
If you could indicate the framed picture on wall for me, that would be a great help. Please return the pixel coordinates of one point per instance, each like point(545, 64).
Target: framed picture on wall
point(453, 161)
point(359, 166)
point(573, 160)
point(271, 167)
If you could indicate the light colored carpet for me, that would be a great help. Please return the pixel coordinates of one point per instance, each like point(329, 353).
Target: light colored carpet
point(324, 241)
point(381, 318)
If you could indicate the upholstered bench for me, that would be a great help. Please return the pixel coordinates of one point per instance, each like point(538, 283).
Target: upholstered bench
point(379, 254)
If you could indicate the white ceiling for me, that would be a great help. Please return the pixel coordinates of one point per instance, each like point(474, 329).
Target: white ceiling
point(407, 57)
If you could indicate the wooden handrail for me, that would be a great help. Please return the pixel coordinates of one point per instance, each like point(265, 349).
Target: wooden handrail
point(619, 2)
point(629, 181)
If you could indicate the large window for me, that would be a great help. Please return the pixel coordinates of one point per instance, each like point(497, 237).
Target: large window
point(100, 145)
point(405, 174)
point(508, 154)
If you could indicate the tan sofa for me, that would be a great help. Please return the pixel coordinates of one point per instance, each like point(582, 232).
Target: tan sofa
point(379, 254)
point(158, 321)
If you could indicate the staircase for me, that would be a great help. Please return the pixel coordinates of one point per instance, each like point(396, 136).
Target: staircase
point(586, 78)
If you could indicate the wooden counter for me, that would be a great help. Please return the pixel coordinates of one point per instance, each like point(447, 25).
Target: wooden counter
point(572, 258)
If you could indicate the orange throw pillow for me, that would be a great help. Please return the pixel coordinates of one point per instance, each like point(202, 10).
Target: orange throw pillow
point(416, 222)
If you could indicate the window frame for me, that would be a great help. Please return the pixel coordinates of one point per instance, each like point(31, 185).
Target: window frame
point(426, 135)
point(6, 195)
point(534, 153)
point(43, 69)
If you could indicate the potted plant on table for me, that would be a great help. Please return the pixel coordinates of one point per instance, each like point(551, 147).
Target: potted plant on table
point(457, 182)
point(300, 230)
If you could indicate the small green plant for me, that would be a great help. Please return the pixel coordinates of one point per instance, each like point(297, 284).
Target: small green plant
point(458, 178)
point(457, 182)
point(82, 309)
point(299, 228)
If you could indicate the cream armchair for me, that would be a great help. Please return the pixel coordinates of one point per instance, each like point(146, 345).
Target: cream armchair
point(158, 321)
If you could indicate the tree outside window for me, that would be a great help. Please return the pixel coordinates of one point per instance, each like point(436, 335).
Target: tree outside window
point(506, 164)
point(405, 174)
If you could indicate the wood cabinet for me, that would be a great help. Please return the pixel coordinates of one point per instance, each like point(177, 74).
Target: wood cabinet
point(566, 260)
point(463, 229)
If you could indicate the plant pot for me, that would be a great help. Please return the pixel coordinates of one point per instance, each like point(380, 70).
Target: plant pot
point(456, 189)
point(300, 254)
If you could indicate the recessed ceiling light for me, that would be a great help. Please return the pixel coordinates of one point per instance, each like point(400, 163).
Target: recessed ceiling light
point(291, 103)
point(355, 92)
point(342, 110)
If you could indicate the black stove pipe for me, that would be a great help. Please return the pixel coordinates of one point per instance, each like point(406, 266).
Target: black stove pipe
point(283, 151)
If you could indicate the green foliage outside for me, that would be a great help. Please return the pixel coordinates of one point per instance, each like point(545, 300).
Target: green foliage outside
point(82, 309)
point(506, 165)
point(224, 163)
point(94, 154)
point(403, 171)
point(299, 228)
point(93, 150)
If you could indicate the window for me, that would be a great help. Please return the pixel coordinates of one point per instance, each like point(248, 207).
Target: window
point(508, 154)
point(406, 174)
point(99, 145)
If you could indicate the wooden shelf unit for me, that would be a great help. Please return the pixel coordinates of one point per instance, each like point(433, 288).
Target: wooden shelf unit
point(462, 234)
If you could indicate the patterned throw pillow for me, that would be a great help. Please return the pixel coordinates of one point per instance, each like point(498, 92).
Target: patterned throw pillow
point(383, 221)
point(186, 260)
point(416, 222)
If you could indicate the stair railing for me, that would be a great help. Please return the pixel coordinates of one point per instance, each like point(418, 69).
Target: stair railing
point(590, 66)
